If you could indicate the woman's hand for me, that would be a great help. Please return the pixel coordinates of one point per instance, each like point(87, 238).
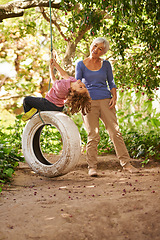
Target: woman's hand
point(112, 102)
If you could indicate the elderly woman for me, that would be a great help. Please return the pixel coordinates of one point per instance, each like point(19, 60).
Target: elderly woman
point(97, 75)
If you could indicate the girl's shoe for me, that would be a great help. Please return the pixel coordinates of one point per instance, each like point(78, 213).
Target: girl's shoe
point(29, 114)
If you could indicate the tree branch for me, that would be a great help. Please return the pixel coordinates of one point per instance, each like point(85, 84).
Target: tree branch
point(2, 81)
point(52, 20)
point(16, 9)
point(10, 97)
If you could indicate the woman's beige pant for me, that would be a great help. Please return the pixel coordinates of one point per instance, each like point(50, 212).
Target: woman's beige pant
point(100, 109)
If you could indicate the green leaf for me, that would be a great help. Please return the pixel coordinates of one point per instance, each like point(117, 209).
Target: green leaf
point(9, 172)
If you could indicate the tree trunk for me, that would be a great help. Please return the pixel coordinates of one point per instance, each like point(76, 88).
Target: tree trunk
point(68, 58)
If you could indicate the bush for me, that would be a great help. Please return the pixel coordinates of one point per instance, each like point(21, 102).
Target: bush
point(142, 141)
point(142, 144)
point(10, 151)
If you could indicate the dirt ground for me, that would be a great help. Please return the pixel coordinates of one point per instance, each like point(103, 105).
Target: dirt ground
point(113, 206)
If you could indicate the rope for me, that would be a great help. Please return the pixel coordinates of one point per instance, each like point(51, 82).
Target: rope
point(41, 118)
point(51, 38)
point(51, 29)
point(51, 52)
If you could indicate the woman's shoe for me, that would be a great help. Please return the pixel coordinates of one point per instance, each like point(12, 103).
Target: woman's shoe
point(129, 168)
point(92, 172)
point(29, 114)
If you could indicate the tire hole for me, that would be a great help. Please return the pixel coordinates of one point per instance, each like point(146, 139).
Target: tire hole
point(47, 144)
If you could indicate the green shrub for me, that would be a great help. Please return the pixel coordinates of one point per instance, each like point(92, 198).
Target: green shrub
point(142, 141)
point(50, 140)
point(10, 151)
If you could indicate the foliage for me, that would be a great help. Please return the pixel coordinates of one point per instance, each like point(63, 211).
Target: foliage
point(28, 50)
point(131, 27)
point(140, 71)
point(4, 1)
point(142, 144)
point(50, 140)
point(140, 124)
point(10, 153)
point(133, 30)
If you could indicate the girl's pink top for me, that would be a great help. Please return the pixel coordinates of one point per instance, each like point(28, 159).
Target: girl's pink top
point(58, 93)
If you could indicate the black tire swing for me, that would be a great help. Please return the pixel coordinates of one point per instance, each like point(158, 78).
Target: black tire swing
point(70, 138)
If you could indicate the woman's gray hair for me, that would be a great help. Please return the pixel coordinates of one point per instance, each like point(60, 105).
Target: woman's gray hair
point(101, 40)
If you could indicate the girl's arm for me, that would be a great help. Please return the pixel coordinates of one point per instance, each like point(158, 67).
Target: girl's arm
point(63, 73)
point(51, 67)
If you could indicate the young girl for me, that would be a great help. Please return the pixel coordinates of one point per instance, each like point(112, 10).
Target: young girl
point(68, 91)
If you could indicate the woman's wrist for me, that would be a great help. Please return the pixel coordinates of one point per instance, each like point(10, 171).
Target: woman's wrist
point(114, 97)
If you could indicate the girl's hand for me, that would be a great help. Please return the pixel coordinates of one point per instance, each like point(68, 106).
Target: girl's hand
point(52, 62)
point(112, 103)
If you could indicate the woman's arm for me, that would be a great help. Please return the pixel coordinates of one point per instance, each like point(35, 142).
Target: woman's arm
point(78, 71)
point(110, 78)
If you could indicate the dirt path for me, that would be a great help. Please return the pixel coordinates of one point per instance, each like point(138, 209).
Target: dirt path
point(114, 206)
